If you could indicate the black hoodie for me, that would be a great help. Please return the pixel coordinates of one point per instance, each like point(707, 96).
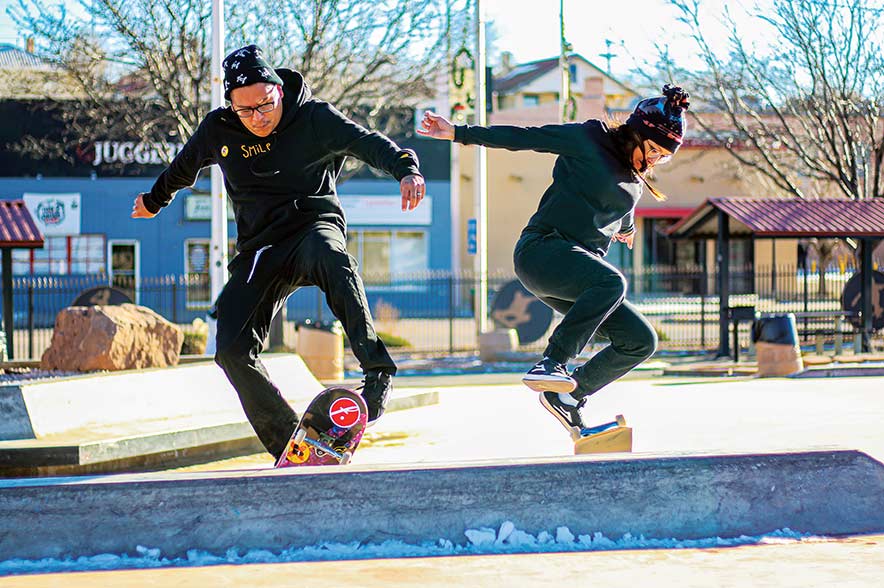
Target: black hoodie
point(280, 183)
point(593, 193)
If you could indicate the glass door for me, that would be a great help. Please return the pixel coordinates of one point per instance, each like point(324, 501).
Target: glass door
point(124, 265)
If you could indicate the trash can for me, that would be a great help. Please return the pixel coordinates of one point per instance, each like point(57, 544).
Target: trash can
point(776, 345)
point(321, 346)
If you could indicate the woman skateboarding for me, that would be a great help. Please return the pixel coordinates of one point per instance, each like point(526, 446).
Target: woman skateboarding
point(598, 178)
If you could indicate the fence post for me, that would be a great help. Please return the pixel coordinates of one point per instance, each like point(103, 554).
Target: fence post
point(805, 301)
point(30, 320)
point(703, 290)
point(838, 335)
point(451, 312)
point(175, 285)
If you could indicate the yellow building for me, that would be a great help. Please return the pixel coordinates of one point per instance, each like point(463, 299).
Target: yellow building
point(527, 95)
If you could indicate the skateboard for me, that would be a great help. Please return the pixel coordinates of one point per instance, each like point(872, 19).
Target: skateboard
point(606, 438)
point(329, 431)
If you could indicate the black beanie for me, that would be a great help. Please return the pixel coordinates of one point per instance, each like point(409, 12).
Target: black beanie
point(662, 119)
point(245, 67)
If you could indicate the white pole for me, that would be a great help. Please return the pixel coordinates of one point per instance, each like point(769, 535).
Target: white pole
point(565, 94)
point(218, 250)
point(218, 245)
point(481, 200)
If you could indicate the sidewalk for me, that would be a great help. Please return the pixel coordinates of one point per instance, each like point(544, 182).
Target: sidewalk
point(474, 420)
point(670, 415)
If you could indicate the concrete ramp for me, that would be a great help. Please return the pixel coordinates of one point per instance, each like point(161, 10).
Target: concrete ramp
point(32, 410)
point(683, 497)
point(136, 419)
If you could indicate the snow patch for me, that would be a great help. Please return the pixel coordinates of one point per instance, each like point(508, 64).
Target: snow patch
point(483, 541)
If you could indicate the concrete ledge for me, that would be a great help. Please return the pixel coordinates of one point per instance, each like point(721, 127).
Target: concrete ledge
point(684, 497)
point(132, 420)
point(841, 371)
point(137, 446)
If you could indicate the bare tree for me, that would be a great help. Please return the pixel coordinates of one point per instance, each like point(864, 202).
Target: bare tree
point(141, 67)
point(805, 109)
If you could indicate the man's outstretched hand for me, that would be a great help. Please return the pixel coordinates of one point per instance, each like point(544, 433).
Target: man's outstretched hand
point(413, 190)
point(139, 210)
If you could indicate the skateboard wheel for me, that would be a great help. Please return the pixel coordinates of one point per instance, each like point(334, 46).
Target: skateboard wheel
point(345, 458)
point(621, 422)
point(300, 436)
point(299, 453)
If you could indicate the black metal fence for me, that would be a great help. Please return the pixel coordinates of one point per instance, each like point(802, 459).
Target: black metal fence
point(433, 312)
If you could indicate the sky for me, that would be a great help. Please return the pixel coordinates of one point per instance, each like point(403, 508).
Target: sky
point(635, 26)
point(529, 29)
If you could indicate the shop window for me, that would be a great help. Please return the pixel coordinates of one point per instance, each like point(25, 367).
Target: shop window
point(62, 255)
point(196, 268)
point(385, 253)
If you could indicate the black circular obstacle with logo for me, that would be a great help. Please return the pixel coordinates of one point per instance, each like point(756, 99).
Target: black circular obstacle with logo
point(851, 299)
point(514, 307)
point(102, 296)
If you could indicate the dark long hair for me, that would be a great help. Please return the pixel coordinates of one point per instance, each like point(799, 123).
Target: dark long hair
point(626, 140)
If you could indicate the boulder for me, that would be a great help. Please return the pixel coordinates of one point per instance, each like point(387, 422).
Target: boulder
point(90, 338)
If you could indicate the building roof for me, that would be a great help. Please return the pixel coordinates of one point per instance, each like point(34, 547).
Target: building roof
point(525, 73)
point(793, 217)
point(17, 227)
point(11, 57)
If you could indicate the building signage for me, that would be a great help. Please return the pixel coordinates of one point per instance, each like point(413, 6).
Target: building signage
point(55, 214)
point(472, 236)
point(385, 210)
point(127, 152)
point(199, 207)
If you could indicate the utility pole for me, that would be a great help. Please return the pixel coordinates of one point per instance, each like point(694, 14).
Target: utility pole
point(481, 197)
point(608, 55)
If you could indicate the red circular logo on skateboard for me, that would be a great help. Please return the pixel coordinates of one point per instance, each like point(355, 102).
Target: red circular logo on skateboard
point(344, 412)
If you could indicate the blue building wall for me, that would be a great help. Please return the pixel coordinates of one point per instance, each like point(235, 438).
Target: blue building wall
point(106, 204)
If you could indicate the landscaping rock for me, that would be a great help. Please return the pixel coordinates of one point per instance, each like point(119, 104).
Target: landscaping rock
point(91, 338)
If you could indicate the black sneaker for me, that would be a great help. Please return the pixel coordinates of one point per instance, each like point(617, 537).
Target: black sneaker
point(376, 391)
point(569, 416)
point(549, 376)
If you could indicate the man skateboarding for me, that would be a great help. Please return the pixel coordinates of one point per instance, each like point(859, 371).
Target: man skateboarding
point(281, 152)
point(597, 181)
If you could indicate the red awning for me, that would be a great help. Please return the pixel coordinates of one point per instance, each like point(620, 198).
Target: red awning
point(17, 227)
point(793, 217)
point(662, 212)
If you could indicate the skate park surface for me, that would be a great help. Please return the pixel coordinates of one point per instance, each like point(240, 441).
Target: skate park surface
point(674, 419)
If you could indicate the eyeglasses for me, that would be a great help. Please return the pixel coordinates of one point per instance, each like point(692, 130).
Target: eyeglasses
point(248, 111)
point(656, 155)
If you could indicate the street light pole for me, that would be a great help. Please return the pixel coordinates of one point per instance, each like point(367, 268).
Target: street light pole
point(218, 248)
point(481, 198)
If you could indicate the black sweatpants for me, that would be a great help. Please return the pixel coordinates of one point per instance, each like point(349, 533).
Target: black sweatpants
point(259, 285)
point(591, 293)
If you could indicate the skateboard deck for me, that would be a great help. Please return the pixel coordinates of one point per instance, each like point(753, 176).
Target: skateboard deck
point(606, 438)
point(329, 431)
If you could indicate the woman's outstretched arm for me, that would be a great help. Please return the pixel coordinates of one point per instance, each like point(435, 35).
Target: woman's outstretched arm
point(560, 139)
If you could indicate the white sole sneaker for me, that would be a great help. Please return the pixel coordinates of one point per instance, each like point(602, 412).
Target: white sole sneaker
point(559, 416)
point(547, 384)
